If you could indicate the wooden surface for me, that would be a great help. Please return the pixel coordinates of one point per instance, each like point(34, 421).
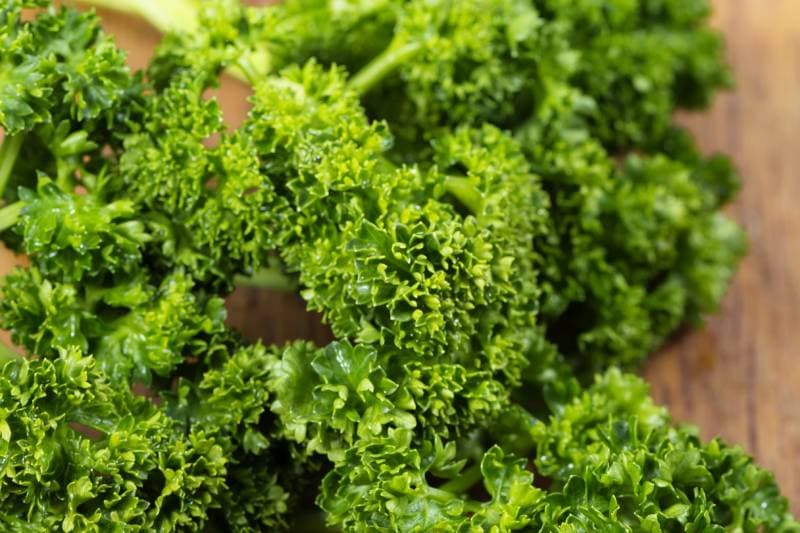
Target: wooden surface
point(739, 377)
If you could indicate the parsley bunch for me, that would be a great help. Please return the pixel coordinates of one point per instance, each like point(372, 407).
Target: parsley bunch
point(487, 202)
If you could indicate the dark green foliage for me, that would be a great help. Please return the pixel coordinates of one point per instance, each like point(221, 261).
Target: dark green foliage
point(69, 236)
point(638, 60)
point(613, 456)
point(348, 33)
point(231, 403)
point(137, 469)
point(485, 199)
point(211, 208)
point(625, 310)
point(134, 329)
point(331, 397)
point(611, 461)
point(637, 241)
point(65, 93)
point(59, 66)
point(393, 256)
point(470, 62)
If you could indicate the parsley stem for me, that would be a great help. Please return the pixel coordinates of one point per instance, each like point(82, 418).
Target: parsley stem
point(380, 67)
point(7, 354)
point(10, 214)
point(8, 156)
point(456, 487)
point(464, 481)
point(313, 522)
point(271, 278)
point(183, 16)
point(174, 15)
point(443, 496)
point(252, 66)
point(466, 193)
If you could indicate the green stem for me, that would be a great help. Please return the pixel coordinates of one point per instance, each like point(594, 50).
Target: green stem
point(7, 354)
point(313, 522)
point(271, 278)
point(182, 16)
point(380, 67)
point(466, 193)
point(251, 67)
point(10, 214)
point(8, 156)
point(165, 15)
point(456, 487)
point(443, 496)
point(464, 481)
point(64, 176)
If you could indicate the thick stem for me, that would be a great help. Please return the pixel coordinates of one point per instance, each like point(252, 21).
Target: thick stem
point(251, 67)
point(466, 193)
point(8, 156)
point(383, 65)
point(166, 16)
point(10, 214)
point(182, 16)
point(313, 522)
point(271, 278)
point(464, 481)
point(7, 354)
point(456, 487)
point(443, 496)
point(64, 175)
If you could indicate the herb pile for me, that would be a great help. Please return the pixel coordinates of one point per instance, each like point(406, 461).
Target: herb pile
point(487, 201)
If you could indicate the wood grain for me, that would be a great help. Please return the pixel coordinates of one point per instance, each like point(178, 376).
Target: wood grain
point(738, 377)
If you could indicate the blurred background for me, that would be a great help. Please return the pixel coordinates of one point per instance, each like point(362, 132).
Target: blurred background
point(739, 376)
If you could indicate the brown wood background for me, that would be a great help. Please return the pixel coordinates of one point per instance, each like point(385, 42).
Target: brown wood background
point(739, 377)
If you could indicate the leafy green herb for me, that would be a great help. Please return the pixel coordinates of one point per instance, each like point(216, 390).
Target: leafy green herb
point(610, 459)
point(487, 211)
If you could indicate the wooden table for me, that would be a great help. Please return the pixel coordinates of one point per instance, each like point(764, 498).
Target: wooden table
point(738, 377)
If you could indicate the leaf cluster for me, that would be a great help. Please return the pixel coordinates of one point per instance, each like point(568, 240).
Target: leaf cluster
point(487, 210)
